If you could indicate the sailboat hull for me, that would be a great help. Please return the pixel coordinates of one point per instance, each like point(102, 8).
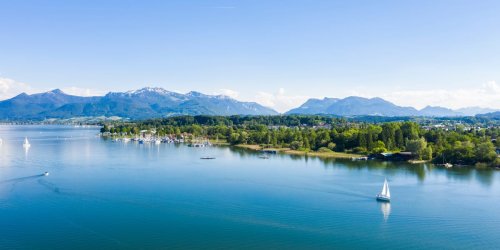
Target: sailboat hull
point(381, 197)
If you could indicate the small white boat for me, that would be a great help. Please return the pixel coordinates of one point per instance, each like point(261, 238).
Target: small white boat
point(46, 174)
point(26, 143)
point(446, 164)
point(207, 158)
point(157, 141)
point(364, 158)
point(385, 195)
point(264, 156)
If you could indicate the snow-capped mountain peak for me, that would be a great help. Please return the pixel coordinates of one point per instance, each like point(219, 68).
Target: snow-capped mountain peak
point(156, 90)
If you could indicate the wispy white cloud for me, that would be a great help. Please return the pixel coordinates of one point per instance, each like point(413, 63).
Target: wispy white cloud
point(10, 88)
point(485, 95)
point(228, 92)
point(280, 101)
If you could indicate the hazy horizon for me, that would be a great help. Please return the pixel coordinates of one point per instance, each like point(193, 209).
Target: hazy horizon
point(274, 53)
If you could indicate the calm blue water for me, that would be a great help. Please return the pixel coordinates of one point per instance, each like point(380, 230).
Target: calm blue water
point(104, 194)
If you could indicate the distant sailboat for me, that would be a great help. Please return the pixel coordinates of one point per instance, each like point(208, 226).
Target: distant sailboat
point(26, 143)
point(385, 195)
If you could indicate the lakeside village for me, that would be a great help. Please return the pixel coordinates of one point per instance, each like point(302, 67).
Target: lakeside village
point(449, 143)
point(150, 137)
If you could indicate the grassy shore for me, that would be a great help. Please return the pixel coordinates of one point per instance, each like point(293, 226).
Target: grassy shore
point(298, 152)
point(418, 161)
point(219, 142)
point(249, 146)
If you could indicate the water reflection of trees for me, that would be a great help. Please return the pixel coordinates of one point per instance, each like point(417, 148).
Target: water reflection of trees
point(241, 152)
point(485, 176)
point(459, 173)
point(421, 171)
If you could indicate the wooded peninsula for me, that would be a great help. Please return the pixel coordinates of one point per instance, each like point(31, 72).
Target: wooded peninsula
point(455, 141)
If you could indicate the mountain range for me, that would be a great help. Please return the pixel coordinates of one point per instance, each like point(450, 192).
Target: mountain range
point(157, 102)
point(139, 104)
point(354, 106)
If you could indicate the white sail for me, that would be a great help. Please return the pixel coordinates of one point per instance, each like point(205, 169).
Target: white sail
point(26, 142)
point(385, 195)
point(385, 189)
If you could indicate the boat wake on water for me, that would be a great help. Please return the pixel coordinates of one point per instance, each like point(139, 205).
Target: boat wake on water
point(24, 178)
point(52, 187)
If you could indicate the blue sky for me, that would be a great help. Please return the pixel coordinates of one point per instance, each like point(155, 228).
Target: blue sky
point(278, 53)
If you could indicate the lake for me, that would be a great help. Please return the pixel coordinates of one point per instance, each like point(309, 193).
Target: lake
point(113, 195)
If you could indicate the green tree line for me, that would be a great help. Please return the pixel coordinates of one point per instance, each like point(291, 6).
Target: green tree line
point(319, 133)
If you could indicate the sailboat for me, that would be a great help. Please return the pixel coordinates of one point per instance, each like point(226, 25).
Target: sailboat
point(385, 195)
point(26, 143)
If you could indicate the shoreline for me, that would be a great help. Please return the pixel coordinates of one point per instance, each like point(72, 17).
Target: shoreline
point(331, 155)
point(336, 155)
point(325, 155)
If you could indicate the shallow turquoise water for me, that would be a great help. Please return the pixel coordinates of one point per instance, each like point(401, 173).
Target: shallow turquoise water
point(103, 194)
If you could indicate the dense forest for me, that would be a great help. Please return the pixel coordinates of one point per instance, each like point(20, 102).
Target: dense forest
point(455, 141)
